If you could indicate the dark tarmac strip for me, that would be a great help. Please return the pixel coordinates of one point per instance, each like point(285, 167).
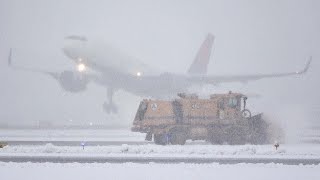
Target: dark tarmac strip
point(162, 160)
point(77, 143)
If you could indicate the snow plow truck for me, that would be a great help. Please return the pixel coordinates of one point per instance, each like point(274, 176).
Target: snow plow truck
point(220, 119)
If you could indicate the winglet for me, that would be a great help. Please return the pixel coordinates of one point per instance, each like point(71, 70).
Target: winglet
point(10, 57)
point(306, 68)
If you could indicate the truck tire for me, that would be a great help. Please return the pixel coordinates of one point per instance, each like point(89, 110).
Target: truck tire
point(148, 136)
point(216, 135)
point(160, 139)
point(216, 140)
point(178, 138)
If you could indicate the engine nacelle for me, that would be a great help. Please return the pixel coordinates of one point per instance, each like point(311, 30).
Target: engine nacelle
point(73, 81)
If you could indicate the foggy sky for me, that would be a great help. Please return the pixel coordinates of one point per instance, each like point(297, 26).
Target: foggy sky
point(251, 37)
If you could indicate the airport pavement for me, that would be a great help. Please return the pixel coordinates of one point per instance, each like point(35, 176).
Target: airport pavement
point(163, 160)
point(77, 143)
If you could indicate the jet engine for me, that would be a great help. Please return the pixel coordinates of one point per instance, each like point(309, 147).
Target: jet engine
point(73, 81)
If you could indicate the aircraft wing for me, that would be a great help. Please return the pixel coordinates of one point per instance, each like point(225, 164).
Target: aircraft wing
point(21, 68)
point(55, 75)
point(246, 78)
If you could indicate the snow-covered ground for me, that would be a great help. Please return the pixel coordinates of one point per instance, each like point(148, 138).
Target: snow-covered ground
point(151, 150)
point(131, 171)
point(69, 135)
point(54, 171)
point(137, 148)
point(311, 135)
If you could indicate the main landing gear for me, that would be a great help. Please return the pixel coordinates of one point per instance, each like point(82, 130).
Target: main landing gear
point(110, 107)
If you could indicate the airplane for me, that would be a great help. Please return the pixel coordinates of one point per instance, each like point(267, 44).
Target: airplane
point(114, 70)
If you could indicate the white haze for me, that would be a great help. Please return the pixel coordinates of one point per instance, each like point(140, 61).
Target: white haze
point(251, 37)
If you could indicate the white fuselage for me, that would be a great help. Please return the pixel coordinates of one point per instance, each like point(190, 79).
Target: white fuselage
point(101, 55)
point(119, 71)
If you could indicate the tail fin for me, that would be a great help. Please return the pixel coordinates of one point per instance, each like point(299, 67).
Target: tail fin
point(201, 61)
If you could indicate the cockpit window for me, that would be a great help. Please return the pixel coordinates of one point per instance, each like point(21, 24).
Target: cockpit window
point(80, 38)
point(233, 102)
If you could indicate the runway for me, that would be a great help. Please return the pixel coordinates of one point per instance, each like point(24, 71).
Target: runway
point(77, 143)
point(123, 146)
point(162, 160)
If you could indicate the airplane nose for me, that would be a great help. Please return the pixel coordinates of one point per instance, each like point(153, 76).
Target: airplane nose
point(66, 50)
point(69, 51)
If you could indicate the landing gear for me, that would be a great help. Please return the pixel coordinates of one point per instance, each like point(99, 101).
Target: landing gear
point(110, 107)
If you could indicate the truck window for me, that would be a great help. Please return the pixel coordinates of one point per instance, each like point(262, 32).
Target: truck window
point(233, 102)
point(143, 106)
